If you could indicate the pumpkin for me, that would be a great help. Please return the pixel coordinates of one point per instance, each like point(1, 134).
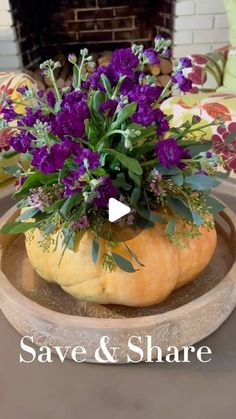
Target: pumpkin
point(167, 266)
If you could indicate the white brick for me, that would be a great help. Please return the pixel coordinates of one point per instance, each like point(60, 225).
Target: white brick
point(184, 8)
point(5, 19)
point(181, 50)
point(7, 33)
point(196, 22)
point(9, 48)
point(221, 21)
point(182, 37)
point(4, 5)
point(10, 62)
point(210, 36)
point(210, 7)
point(218, 45)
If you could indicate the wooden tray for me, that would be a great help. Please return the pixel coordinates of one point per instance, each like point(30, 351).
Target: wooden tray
point(44, 311)
point(7, 188)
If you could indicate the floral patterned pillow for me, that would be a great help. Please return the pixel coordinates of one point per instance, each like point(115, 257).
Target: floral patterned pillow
point(9, 83)
point(208, 107)
point(208, 71)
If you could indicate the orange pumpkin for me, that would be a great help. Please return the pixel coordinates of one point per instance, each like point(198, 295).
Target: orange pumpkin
point(167, 266)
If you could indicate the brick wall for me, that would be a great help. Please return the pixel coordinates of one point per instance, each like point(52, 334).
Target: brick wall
point(199, 26)
point(10, 57)
point(37, 29)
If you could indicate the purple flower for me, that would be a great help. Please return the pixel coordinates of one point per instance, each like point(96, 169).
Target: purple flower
point(88, 158)
point(185, 85)
point(169, 152)
point(9, 114)
point(31, 117)
point(152, 56)
point(49, 161)
point(72, 182)
point(124, 62)
point(105, 190)
point(109, 106)
point(144, 115)
point(145, 94)
point(185, 62)
point(40, 94)
point(81, 224)
point(51, 100)
point(71, 119)
point(161, 122)
point(22, 89)
point(21, 142)
point(95, 79)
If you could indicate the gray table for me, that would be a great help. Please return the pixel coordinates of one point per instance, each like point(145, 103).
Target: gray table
point(141, 391)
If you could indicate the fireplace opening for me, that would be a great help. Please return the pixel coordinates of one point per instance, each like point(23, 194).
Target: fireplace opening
point(46, 28)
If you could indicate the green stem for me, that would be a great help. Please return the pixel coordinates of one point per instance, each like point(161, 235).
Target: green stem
point(149, 163)
point(58, 95)
point(80, 68)
point(165, 91)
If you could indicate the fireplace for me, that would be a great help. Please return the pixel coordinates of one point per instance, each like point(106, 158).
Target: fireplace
point(47, 28)
point(34, 30)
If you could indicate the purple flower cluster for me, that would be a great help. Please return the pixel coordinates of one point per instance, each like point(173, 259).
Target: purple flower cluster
point(70, 121)
point(109, 107)
point(22, 141)
point(86, 160)
point(184, 84)
point(53, 159)
point(105, 190)
point(170, 153)
point(152, 56)
point(124, 63)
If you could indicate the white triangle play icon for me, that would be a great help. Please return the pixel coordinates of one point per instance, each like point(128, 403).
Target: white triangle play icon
point(117, 210)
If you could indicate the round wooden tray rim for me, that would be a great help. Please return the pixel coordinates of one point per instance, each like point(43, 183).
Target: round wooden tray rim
point(93, 322)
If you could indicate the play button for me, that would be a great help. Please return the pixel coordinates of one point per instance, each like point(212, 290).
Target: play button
point(117, 210)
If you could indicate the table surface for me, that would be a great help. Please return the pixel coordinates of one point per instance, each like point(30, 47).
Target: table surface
point(56, 390)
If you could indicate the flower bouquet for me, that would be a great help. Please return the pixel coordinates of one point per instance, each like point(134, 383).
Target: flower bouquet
point(106, 137)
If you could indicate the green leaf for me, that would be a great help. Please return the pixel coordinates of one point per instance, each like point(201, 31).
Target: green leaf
point(201, 182)
point(96, 102)
point(95, 250)
point(124, 114)
point(134, 256)
point(106, 84)
point(196, 149)
point(50, 227)
point(135, 195)
point(16, 228)
point(196, 218)
point(123, 263)
point(150, 216)
point(11, 170)
point(69, 204)
point(179, 207)
point(213, 205)
point(78, 212)
point(167, 172)
point(36, 179)
point(27, 214)
point(9, 154)
point(129, 162)
point(120, 182)
point(178, 179)
point(170, 229)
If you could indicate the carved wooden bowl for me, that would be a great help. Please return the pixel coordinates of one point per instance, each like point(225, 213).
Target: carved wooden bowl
point(43, 310)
